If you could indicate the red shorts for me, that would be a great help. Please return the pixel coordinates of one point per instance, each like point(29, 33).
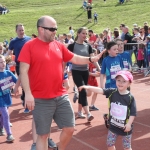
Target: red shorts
point(92, 81)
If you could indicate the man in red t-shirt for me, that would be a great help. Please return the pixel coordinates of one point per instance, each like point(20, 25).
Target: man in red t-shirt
point(92, 38)
point(41, 73)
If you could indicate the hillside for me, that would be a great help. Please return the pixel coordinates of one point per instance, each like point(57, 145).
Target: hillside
point(70, 13)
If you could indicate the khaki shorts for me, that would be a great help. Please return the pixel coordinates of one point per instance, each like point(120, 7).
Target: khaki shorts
point(59, 109)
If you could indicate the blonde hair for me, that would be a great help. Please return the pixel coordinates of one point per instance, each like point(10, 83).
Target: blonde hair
point(1, 44)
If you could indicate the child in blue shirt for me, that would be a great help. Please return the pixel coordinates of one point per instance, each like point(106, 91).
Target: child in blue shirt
point(110, 66)
point(95, 17)
point(7, 80)
point(125, 56)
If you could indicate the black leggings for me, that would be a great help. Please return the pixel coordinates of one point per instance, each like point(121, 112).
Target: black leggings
point(81, 78)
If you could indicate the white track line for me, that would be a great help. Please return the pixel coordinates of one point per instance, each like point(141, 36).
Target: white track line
point(141, 124)
point(79, 140)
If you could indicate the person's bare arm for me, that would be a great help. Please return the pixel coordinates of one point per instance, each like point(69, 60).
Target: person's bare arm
point(29, 99)
point(81, 60)
point(128, 125)
point(102, 77)
point(15, 90)
point(95, 63)
point(92, 89)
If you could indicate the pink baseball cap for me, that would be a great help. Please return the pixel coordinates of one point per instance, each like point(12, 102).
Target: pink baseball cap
point(126, 75)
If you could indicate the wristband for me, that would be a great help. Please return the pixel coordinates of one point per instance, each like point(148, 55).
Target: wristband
point(90, 60)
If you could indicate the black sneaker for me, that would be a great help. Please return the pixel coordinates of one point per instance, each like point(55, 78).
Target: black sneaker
point(93, 108)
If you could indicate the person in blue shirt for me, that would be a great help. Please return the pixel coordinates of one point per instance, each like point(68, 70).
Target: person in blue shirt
point(7, 80)
point(16, 45)
point(110, 66)
point(125, 56)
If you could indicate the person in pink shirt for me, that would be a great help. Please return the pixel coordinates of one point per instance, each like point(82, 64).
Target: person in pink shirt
point(140, 56)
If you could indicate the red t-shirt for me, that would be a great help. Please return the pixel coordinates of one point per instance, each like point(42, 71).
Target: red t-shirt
point(92, 80)
point(46, 67)
point(93, 38)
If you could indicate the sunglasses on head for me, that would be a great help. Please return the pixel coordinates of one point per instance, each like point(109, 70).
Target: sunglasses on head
point(50, 29)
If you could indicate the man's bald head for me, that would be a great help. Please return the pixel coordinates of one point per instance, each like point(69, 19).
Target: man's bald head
point(42, 21)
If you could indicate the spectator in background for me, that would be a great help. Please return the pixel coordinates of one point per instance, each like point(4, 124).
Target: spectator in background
point(84, 4)
point(65, 38)
point(16, 45)
point(90, 1)
point(106, 38)
point(146, 30)
point(33, 36)
point(116, 34)
point(145, 23)
point(122, 33)
point(95, 17)
point(92, 37)
point(70, 40)
point(135, 25)
point(89, 12)
point(1, 48)
point(128, 39)
point(142, 34)
point(71, 31)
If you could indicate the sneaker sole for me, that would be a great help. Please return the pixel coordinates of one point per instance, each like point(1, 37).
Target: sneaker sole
point(93, 109)
point(10, 141)
point(90, 118)
point(52, 147)
point(2, 134)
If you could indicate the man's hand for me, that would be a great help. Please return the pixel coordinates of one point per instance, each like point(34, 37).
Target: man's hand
point(29, 101)
point(96, 58)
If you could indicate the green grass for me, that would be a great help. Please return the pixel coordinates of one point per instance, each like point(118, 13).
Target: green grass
point(69, 13)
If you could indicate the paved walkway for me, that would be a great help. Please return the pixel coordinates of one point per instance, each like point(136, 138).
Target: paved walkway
point(88, 136)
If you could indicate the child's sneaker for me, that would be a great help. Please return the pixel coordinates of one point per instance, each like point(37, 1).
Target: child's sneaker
point(10, 124)
point(93, 108)
point(2, 132)
point(81, 115)
point(10, 138)
point(26, 111)
point(90, 117)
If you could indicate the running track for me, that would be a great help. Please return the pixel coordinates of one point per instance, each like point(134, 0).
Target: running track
point(88, 136)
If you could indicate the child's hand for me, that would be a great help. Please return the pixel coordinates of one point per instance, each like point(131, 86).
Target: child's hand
point(127, 127)
point(97, 74)
point(82, 87)
point(15, 91)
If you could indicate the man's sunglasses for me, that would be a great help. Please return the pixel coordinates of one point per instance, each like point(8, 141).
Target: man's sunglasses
point(50, 29)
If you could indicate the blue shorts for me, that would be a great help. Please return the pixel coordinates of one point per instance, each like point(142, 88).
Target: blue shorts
point(112, 137)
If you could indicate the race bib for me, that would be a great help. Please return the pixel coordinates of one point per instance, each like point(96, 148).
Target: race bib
point(6, 84)
point(114, 70)
point(118, 113)
point(126, 65)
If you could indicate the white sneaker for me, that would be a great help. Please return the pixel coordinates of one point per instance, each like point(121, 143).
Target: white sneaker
point(90, 117)
point(81, 115)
